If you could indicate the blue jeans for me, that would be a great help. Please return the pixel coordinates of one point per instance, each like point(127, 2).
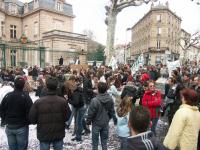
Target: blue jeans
point(79, 122)
point(154, 124)
point(57, 145)
point(122, 142)
point(17, 138)
point(103, 135)
point(71, 117)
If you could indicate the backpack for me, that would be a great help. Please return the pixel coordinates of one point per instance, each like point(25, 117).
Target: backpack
point(77, 99)
point(102, 119)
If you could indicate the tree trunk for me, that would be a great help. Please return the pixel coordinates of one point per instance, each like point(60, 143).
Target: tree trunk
point(112, 20)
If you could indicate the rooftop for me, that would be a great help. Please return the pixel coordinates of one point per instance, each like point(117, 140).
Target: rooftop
point(25, 8)
point(158, 7)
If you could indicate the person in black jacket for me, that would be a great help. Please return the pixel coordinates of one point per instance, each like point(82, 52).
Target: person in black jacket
point(173, 97)
point(14, 111)
point(130, 91)
point(196, 87)
point(100, 111)
point(35, 73)
point(50, 114)
point(88, 94)
point(75, 98)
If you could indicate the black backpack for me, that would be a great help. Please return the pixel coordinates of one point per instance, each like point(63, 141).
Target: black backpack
point(77, 99)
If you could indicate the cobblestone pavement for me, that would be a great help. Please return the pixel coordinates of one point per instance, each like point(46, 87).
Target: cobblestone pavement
point(68, 144)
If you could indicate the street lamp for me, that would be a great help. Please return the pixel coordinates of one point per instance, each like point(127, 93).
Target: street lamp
point(126, 44)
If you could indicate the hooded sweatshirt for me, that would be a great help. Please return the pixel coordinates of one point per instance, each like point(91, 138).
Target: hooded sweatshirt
point(101, 110)
point(143, 141)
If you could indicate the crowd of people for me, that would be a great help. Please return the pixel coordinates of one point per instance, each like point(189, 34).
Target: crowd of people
point(95, 97)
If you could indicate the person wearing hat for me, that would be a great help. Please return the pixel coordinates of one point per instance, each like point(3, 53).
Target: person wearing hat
point(14, 111)
point(50, 114)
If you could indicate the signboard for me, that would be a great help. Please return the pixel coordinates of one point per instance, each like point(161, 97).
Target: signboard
point(173, 66)
point(78, 67)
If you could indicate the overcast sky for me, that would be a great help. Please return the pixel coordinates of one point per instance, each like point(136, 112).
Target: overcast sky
point(90, 14)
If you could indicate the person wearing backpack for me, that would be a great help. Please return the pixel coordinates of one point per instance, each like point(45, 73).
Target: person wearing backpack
point(75, 98)
point(100, 111)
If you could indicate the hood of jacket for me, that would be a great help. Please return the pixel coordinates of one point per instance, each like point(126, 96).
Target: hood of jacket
point(194, 108)
point(104, 98)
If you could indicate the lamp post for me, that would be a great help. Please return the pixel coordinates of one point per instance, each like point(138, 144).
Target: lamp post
point(126, 44)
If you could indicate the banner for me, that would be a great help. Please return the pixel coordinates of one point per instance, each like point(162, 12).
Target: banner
point(139, 63)
point(173, 66)
point(113, 63)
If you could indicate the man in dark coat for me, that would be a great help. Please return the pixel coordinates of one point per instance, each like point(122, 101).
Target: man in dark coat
point(50, 114)
point(35, 73)
point(14, 111)
point(61, 61)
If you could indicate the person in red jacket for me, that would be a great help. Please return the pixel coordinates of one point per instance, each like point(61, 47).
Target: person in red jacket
point(152, 100)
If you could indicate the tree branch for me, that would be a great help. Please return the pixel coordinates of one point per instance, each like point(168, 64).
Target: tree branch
point(127, 4)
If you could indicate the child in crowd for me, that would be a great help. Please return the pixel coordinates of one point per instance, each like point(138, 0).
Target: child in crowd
point(123, 111)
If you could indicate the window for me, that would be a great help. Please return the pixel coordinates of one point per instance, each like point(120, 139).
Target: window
point(12, 8)
point(13, 31)
point(58, 24)
point(158, 45)
point(36, 4)
point(58, 6)
point(36, 28)
point(25, 7)
point(2, 32)
point(158, 18)
point(159, 31)
point(26, 30)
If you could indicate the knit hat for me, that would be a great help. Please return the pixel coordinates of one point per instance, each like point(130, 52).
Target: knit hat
point(52, 83)
point(19, 83)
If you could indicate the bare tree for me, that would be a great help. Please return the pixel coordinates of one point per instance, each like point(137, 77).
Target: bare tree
point(112, 11)
point(189, 41)
point(196, 1)
point(89, 33)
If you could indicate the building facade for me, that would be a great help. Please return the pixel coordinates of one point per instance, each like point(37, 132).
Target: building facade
point(46, 24)
point(157, 35)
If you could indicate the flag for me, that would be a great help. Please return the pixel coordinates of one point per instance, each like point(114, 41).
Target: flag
point(139, 63)
point(173, 66)
point(113, 63)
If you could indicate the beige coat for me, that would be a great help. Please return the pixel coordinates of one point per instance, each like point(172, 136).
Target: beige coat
point(184, 129)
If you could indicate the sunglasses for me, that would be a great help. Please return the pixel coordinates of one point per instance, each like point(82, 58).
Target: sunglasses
point(152, 86)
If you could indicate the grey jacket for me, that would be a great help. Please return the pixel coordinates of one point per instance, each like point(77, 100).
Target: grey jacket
point(101, 110)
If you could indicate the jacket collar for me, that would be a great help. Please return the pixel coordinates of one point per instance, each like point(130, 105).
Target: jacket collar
point(194, 108)
point(50, 92)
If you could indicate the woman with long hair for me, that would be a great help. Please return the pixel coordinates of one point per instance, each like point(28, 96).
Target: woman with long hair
point(185, 126)
point(123, 111)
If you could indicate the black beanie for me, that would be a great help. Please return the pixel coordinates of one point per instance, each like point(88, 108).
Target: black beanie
point(52, 83)
point(19, 83)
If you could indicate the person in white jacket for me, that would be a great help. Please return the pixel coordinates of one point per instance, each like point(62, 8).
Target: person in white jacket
point(113, 91)
point(4, 89)
point(185, 126)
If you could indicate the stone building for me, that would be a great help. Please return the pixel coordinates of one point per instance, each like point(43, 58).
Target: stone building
point(38, 33)
point(157, 35)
